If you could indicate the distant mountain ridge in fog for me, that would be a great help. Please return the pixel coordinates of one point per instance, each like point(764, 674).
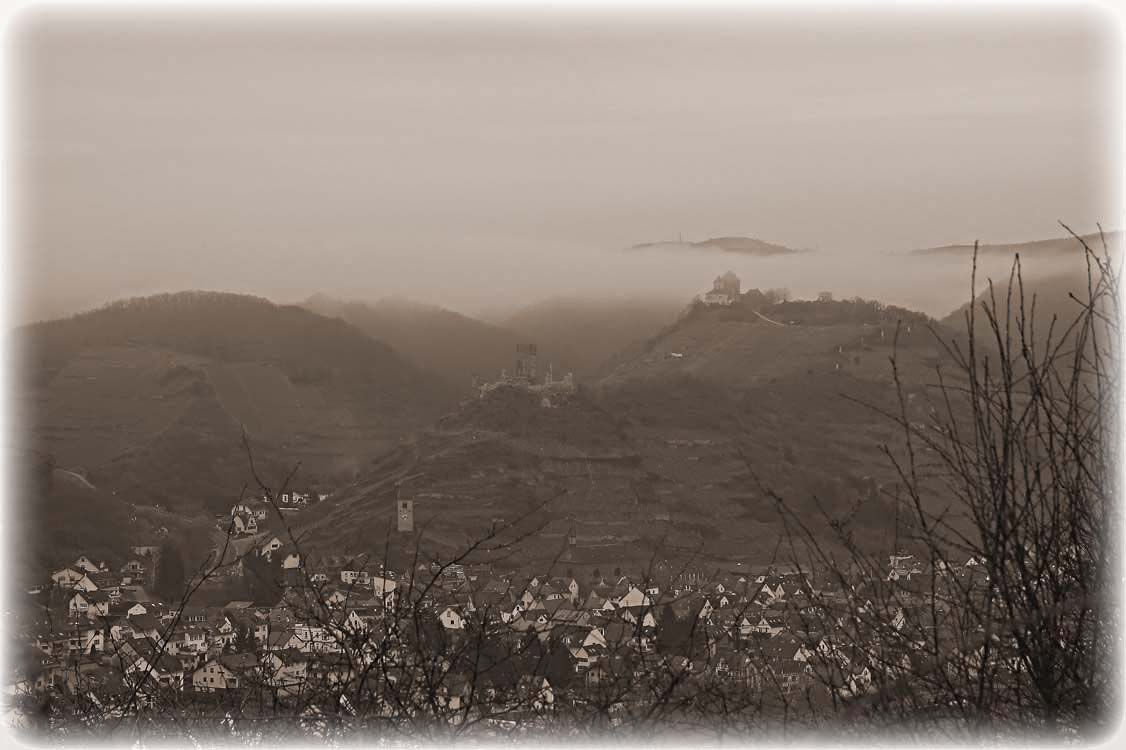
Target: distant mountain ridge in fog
point(1059, 296)
point(580, 334)
point(1053, 272)
point(737, 245)
point(572, 334)
point(1056, 246)
point(447, 343)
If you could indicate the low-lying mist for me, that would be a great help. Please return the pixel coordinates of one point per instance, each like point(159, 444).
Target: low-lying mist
point(494, 282)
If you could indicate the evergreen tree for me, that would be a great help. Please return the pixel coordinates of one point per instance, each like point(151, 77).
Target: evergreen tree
point(671, 632)
point(170, 578)
point(263, 578)
point(558, 666)
point(244, 642)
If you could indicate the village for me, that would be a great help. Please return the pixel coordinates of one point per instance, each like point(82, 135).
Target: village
point(773, 631)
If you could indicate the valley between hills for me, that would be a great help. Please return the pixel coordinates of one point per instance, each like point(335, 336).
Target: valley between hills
point(686, 425)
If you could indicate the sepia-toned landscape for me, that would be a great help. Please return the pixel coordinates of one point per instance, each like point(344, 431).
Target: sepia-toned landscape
point(427, 379)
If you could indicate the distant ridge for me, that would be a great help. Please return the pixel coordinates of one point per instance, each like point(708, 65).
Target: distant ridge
point(1056, 246)
point(445, 342)
point(738, 245)
point(562, 327)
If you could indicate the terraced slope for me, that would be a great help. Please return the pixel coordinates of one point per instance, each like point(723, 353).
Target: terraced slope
point(665, 456)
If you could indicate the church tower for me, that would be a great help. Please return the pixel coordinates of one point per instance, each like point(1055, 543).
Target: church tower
point(405, 514)
point(572, 539)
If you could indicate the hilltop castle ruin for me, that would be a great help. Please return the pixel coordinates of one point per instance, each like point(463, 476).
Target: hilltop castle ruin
point(525, 377)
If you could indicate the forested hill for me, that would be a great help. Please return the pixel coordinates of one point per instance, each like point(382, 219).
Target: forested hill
point(222, 326)
point(150, 396)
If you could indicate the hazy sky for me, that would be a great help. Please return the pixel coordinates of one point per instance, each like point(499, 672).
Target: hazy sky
point(502, 157)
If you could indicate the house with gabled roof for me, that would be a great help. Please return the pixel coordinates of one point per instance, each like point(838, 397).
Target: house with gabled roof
point(595, 640)
point(257, 626)
point(76, 639)
point(494, 584)
point(548, 592)
point(67, 577)
point(623, 635)
point(188, 639)
point(568, 586)
point(255, 508)
point(582, 658)
point(86, 565)
point(315, 637)
point(361, 620)
point(287, 670)
point(768, 624)
point(490, 599)
point(220, 626)
point(355, 575)
point(118, 610)
point(144, 625)
point(598, 673)
point(596, 603)
point(107, 582)
point(747, 623)
point(570, 634)
point(90, 604)
point(638, 616)
point(226, 672)
point(552, 605)
point(570, 616)
point(283, 639)
point(772, 590)
point(193, 613)
point(244, 524)
point(634, 597)
point(85, 583)
point(149, 665)
point(538, 620)
point(784, 647)
point(270, 547)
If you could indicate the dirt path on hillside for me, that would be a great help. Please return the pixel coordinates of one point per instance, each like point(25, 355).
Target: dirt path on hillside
point(768, 320)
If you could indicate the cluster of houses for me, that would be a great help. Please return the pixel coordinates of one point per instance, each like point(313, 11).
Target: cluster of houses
point(247, 516)
point(760, 630)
